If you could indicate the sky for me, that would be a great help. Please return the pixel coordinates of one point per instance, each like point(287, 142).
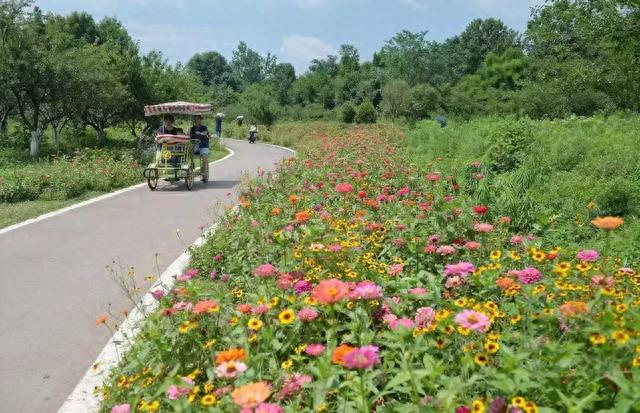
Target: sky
point(296, 31)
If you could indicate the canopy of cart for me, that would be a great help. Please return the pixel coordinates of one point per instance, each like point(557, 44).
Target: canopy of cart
point(177, 108)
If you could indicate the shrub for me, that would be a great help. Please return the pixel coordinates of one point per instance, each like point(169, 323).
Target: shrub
point(366, 113)
point(348, 113)
point(510, 144)
point(618, 197)
point(542, 101)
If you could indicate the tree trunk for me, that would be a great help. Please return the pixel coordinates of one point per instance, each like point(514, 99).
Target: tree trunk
point(35, 143)
point(102, 136)
point(4, 116)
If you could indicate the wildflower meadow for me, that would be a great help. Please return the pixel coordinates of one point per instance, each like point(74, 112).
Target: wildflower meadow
point(355, 280)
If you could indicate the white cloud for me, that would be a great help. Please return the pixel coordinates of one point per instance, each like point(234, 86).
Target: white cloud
point(301, 50)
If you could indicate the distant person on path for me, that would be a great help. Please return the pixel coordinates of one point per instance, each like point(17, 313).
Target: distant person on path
point(253, 134)
point(201, 133)
point(219, 117)
point(442, 121)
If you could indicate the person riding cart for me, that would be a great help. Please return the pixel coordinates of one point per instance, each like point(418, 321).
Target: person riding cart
point(174, 159)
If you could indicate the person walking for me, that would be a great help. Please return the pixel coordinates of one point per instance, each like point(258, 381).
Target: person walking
point(219, 117)
point(201, 133)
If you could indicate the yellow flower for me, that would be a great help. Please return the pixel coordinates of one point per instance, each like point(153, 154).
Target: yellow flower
point(495, 255)
point(621, 308)
point(481, 359)
point(254, 324)
point(477, 406)
point(287, 316)
point(238, 293)
point(597, 339)
point(620, 336)
point(518, 401)
point(538, 256)
point(491, 347)
point(514, 255)
point(287, 364)
point(300, 348)
point(463, 331)
point(635, 362)
point(310, 301)
point(583, 266)
point(440, 344)
point(515, 319)
point(252, 338)
point(449, 329)
point(233, 321)
point(208, 400)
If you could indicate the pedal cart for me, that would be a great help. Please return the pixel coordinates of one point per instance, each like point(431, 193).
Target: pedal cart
point(174, 159)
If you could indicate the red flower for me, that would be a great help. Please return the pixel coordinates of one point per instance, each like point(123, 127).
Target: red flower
point(344, 188)
point(480, 209)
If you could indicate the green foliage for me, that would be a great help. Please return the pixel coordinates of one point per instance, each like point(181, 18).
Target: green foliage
point(509, 145)
point(395, 98)
point(261, 105)
point(348, 113)
point(366, 113)
point(424, 102)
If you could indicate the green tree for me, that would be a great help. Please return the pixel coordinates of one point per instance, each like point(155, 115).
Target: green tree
point(282, 78)
point(423, 102)
point(211, 66)
point(261, 104)
point(348, 113)
point(349, 59)
point(395, 98)
point(247, 66)
point(366, 113)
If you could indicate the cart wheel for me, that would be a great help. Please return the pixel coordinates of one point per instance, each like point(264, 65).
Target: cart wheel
point(153, 183)
point(189, 181)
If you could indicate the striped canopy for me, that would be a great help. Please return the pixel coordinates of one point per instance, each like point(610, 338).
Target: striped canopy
point(179, 108)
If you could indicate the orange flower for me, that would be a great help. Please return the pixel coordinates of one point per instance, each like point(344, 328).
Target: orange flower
point(303, 216)
point(102, 320)
point(338, 354)
point(293, 199)
point(251, 395)
point(275, 212)
point(206, 306)
point(573, 308)
point(234, 354)
point(504, 282)
point(607, 223)
point(330, 291)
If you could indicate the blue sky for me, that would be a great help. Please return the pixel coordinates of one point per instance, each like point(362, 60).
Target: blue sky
point(295, 30)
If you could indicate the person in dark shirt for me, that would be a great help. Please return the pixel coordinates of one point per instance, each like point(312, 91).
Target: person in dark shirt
point(201, 133)
point(219, 125)
point(167, 128)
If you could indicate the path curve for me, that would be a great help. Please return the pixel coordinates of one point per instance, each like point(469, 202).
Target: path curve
point(54, 282)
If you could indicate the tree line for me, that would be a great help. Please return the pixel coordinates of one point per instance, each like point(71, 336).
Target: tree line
point(575, 57)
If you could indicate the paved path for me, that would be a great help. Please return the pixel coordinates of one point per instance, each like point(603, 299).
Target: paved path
point(54, 282)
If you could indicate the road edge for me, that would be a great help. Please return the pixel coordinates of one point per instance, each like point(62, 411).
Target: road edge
point(90, 201)
point(83, 399)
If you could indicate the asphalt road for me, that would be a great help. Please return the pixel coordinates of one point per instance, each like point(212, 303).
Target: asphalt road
point(54, 280)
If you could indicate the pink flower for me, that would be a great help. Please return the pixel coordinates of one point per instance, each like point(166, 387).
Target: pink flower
point(395, 269)
point(433, 177)
point(266, 270)
point(462, 269)
point(217, 258)
point(314, 349)
point(307, 314)
point(225, 277)
point(268, 408)
point(366, 290)
point(430, 249)
point(188, 274)
point(362, 358)
point(158, 294)
point(260, 309)
point(472, 245)
point(404, 322)
point(425, 316)
point(602, 281)
point(206, 306)
point(529, 275)
point(285, 281)
point(462, 409)
point(335, 248)
point(516, 240)
point(473, 320)
point(293, 384)
point(403, 191)
point(417, 291)
point(182, 306)
point(344, 188)
point(453, 282)
point(230, 369)
point(174, 392)
point(121, 408)
point(483, 227)
point(303, 286)
point(213, 274)
point(445, 250)
point(505, 220)
point(588, 255)
point(433, 239)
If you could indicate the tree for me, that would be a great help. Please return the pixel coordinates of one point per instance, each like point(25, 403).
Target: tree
point(395, 98)
point(261, 104)
point(348, 113)
point(366, 113)
point(247, 66)
point(30, 70)
point(212, 67)
point(423, 102)
point(349, 59)
point(282, 78)
point(328, 66)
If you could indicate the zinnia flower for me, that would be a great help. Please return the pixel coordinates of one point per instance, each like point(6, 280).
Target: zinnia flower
point(338, 354)
point(480, 209)
point(425, 316)
point(344, 187)
point(314, 349)
point(473, 320)
point(251, 395)
point(158, 294)
point(362, 358)
point(395, 269)
point(121, 408)
point(206, 306)
point(529, 275)
point(417, 291)
point(266, 270)
point(404, 322)
point(366, 290)
point(330, 291)
point(234, 354)
point(587, 255)
point(462, 269)
point(573, 308)
point(292, 385)
point(230, 369)
point(307, 314)
point(268, 408)
point(483, 227)
point(608, 223)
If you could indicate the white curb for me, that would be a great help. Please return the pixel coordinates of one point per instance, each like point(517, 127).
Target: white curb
point(83, 399)
point(88, 202)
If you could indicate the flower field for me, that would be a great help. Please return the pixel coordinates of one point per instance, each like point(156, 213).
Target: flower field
point(355, 281)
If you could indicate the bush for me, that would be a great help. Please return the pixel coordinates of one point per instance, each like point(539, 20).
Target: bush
point(619, 197)
point(510, 144)
point(348, 113)
point(424, 101)
point(366, 113)
point(542, 101)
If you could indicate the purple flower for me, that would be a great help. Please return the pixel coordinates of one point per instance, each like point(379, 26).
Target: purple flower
point(362, 358)
point(302, 286)
point(588, 255)
point(529, 275)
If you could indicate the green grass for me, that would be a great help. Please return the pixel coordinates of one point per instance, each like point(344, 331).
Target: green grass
point(550, 177)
